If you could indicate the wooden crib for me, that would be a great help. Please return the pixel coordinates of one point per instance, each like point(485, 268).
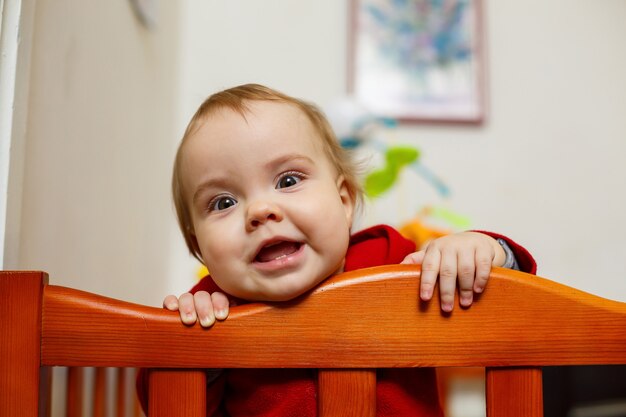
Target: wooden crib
point(347, 327)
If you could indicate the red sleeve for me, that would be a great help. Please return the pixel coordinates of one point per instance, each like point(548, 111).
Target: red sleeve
point(205, 284)
point(378, 245)
point(524, 259)
point(383, 245)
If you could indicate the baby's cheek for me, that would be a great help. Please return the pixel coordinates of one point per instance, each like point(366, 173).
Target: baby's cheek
point(214, 247)
point(217, 270)
point(336, 255)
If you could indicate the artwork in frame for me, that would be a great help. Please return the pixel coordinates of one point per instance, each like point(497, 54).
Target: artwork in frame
point(418, 60)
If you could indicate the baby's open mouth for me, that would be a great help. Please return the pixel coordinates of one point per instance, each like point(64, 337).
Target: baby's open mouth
point(277, 250)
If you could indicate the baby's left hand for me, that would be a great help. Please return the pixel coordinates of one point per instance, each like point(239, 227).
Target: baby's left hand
point(467, 255)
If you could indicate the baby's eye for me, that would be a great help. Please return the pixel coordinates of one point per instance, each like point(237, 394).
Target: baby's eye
point(222, 203)
point(288, 180)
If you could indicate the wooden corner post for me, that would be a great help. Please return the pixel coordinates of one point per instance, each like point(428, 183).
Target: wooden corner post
point(20, 344)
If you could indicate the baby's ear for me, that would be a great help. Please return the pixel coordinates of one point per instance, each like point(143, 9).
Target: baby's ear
point(347, 198)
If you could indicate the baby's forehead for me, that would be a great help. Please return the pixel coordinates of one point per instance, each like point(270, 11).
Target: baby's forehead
point(259, 108)
point(271, 116)
point(269, 112)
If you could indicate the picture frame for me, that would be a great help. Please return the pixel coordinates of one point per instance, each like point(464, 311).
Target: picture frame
point(418, 60)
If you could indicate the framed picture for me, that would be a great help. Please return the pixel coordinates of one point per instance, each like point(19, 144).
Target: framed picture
point(418, 60)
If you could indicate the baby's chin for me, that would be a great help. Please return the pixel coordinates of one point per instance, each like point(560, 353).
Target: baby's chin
point(287, 296)
point(279, 289)
point(285, 291)
point(284, 294)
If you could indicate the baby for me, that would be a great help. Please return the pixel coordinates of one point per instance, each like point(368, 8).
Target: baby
point(266, 199)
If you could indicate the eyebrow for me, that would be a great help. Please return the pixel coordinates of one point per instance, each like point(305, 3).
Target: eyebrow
point(284, 159)
point(210, 183)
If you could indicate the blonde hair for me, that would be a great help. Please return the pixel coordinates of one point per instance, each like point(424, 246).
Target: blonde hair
point(236, 99)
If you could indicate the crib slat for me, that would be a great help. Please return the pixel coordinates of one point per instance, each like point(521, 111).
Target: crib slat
point(347, 392)
point(120, 397)
point(100, 393)
point(514, 392)
point(74, 393)
point(175, 392)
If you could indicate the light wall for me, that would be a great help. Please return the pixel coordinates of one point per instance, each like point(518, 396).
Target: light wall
point(96, 211)
point(544, 169)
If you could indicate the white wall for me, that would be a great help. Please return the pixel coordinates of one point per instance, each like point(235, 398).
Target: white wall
point(96, 211)
point(546, 167)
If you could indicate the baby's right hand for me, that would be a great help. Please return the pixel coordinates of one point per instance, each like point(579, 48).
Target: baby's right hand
point(201, 306)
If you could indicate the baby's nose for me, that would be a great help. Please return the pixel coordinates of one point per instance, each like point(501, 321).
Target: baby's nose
point(260, 212)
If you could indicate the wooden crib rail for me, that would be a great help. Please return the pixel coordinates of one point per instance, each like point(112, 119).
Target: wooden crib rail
point(520, 320)
point(363, 319)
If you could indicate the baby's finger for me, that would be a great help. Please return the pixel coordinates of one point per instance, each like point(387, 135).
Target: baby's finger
point(484, 258)
point(187, 309)
point(447, 279)
point(414, 258)
point(171, 303)
point(204, 308)
point(430, 270)
point(466, 273)
point(220, 305)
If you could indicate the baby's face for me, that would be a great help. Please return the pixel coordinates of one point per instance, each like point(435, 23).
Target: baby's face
point(270, 213)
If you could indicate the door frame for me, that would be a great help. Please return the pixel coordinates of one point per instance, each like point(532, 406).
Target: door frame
point(16, 35)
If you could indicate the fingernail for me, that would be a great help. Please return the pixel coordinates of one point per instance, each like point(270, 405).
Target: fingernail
point(466, 300)
point(479, 289)
point(221, 314)
point(206, 322)
point(447, 307)
point(426, 294)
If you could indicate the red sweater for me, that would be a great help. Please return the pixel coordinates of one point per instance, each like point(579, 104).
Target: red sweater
point(292, 392)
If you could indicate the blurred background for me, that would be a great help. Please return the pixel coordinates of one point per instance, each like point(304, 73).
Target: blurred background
point(99, 95)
